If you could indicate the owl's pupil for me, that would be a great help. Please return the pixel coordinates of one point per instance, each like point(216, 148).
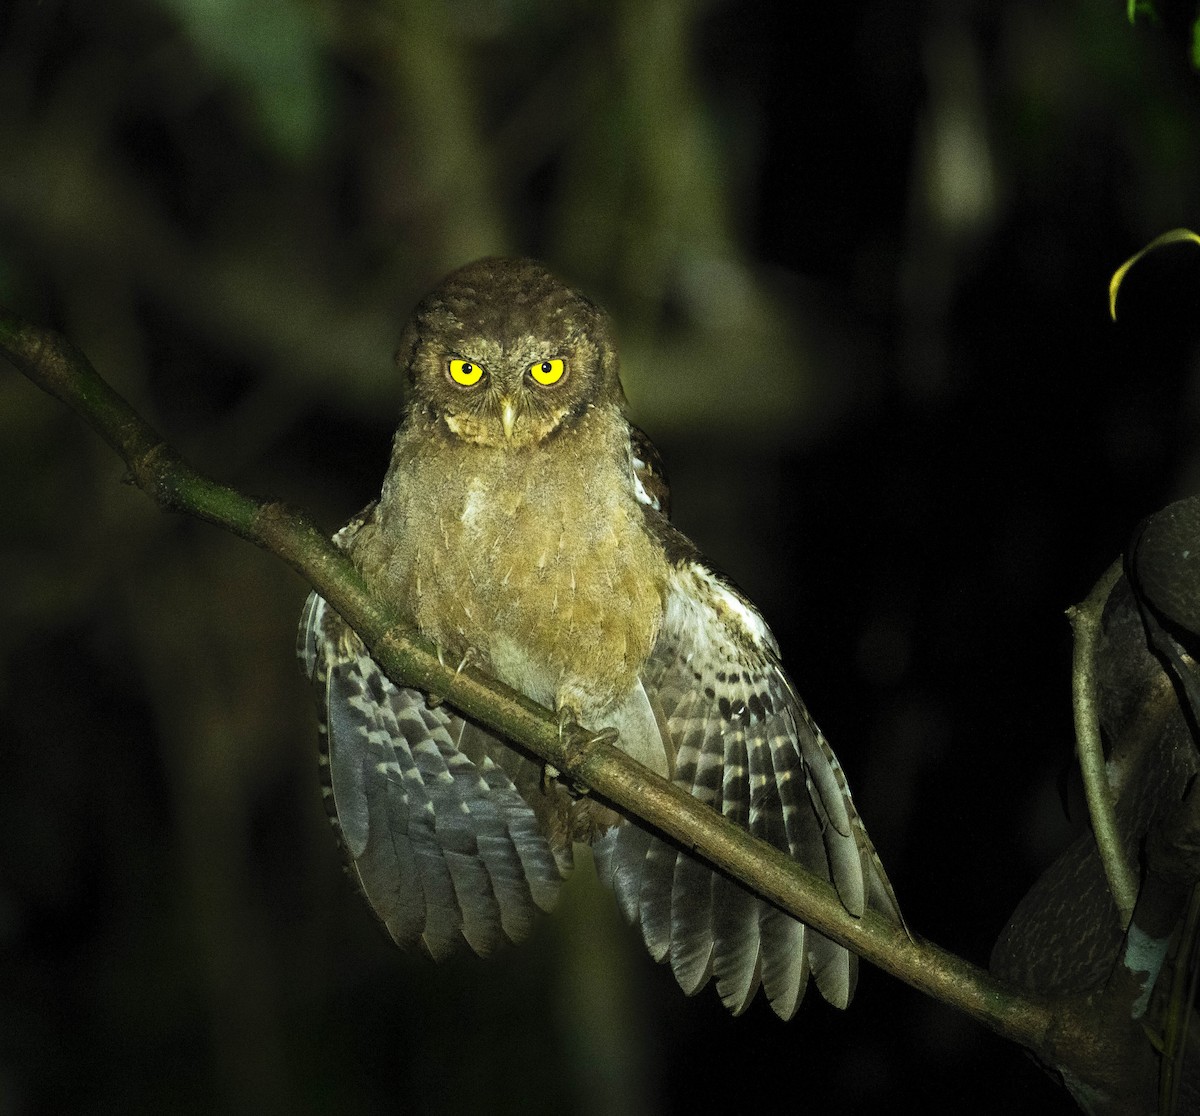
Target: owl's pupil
point(468, 368)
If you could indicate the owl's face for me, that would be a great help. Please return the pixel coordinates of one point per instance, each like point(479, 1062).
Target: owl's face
point(503, 354)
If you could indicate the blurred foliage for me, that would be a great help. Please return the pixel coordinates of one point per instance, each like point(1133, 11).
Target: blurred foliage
point(858, 264)
point(1147, 10)
point(272, 51)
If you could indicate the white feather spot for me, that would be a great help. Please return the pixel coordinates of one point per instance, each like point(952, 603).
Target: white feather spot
point(474, 504)
point(639, 490)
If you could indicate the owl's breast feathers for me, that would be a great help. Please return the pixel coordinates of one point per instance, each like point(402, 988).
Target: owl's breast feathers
point(538, 561)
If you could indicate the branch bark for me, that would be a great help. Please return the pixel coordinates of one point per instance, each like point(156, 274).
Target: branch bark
point(1085, 622)
point(1061, 1031)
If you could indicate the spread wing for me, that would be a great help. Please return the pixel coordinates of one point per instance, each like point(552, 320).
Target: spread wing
point(434, 830)
point(746, 745)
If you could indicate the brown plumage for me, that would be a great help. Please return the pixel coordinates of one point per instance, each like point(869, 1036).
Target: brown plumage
point(523, 521)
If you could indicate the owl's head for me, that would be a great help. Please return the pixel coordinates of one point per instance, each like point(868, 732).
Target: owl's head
point(502, 353)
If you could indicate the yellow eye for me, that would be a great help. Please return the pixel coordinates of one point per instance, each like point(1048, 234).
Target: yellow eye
point(465, 372)
point(547, 372)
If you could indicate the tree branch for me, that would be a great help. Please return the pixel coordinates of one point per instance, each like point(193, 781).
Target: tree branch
point(1052, 1028)
point(1085, 623)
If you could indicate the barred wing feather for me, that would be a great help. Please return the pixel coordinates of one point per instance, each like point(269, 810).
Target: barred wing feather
point(444, 848)
point(744, 744)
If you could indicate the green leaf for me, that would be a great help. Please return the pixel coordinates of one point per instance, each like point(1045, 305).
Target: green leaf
point(1175, 236)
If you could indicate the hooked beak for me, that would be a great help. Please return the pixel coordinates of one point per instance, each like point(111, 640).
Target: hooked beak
point(508, 416)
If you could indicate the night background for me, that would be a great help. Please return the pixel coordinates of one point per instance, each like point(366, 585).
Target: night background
point(858, 259)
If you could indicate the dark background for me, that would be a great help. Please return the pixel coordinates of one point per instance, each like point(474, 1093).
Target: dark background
point(859, 257)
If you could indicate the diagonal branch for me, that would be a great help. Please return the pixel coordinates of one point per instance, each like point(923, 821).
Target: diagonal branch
point(56, 366)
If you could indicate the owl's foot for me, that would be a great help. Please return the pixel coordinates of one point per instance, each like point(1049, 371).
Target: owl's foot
point(575, 736)
point(434, 700)
point(584, 736)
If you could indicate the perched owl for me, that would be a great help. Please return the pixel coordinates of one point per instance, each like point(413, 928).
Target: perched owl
point(523, 523)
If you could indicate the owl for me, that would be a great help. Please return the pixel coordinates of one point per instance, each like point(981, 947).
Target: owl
point(523, 524)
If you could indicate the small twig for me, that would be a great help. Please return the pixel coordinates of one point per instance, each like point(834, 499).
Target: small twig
point(1085, 623)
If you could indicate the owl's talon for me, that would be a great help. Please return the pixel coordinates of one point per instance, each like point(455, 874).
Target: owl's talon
point(434, 700)
point(550, 773)
point(470, 655)
point(577, 737)
point(608, 735)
